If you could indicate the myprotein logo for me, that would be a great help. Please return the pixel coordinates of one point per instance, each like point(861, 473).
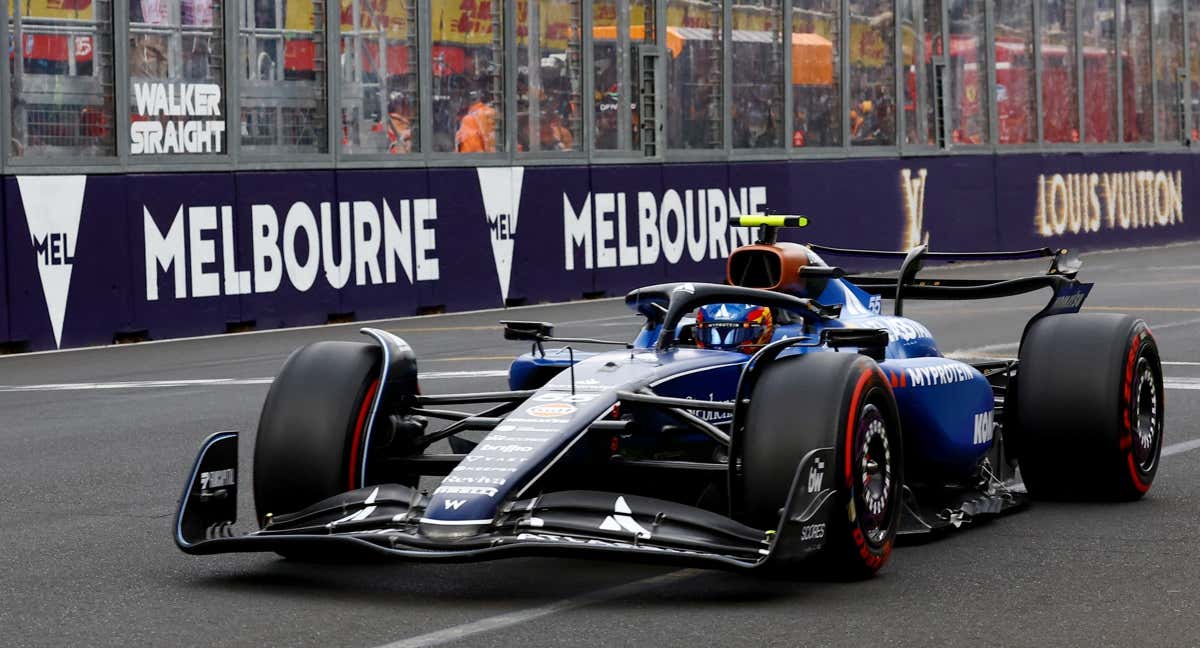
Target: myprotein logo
point(365, 242)
point(913, 190)
point(611, 230)
point(501, 189)
point(53, 205)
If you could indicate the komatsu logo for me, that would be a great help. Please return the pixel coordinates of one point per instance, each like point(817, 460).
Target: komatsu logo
point(983, 427)
point(301, 247)
point(611, 230)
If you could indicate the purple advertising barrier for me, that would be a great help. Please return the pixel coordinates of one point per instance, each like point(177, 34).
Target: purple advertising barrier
point(286, 228)
point(693, 197)
point(849, 203)
point(397, 238)
point(76, 252)
point(477, 234)
point(614, 231)
point(1095, 201)
point(949, 203)
point(4, 335)
point(68, 283)
point(549, 199)
point(763, 188)
point(186, 274)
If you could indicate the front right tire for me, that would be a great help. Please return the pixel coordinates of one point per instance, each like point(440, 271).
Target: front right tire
point(801, 403)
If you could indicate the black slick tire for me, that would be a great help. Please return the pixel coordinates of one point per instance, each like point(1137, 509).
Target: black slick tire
point(1089, 407)
point(817, 400)
point(309, 442)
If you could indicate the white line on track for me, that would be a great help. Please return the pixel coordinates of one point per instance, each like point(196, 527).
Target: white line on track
point(460, 632)
point(992, 350)
point(1181, 447)
point(214, 382)
point(1185, 383)
point(376, 323)
point(1167, 325)
point(1182, 383)
point(509, 619)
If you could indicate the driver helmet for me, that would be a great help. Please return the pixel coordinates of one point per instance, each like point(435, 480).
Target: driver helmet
point(734, 327)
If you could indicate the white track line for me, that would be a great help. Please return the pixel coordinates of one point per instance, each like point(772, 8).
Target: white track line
point(460, 632)
point(215, 382)
point(992, 350)
point(486, 373)
point(1185, 383)
point(1182, 383)
point(1167, 325)
point(136, 384)
point(376, 323)
point(1181, 447)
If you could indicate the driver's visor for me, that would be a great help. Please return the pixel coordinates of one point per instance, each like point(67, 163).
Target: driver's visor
point(728, 335)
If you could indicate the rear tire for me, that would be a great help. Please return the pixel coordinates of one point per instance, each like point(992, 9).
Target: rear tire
point(1089, 407)
point(308, 446)
point(802, 403)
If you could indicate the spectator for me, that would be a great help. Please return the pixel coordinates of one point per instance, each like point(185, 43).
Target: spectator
point(399, 125)
point(800, 129)
point(555, 136)
point(477, 129)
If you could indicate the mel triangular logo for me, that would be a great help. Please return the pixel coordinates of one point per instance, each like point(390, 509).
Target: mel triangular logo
point(501, 189)
point(53, 205)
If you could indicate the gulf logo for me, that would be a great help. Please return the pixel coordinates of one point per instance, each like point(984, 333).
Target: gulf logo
point(551, 410)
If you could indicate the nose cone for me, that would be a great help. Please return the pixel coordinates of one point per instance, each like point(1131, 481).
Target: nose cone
point(435, 530)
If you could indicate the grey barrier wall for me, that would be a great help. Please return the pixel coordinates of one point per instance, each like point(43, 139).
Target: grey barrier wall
point(90, 259)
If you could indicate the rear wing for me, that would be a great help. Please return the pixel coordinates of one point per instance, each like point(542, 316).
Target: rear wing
point(1068, 296)
point(1060, 276)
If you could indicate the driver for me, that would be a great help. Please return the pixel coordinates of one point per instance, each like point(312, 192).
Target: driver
point(734, 327)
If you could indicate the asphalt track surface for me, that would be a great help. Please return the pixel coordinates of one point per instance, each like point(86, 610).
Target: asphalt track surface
point(94, 447)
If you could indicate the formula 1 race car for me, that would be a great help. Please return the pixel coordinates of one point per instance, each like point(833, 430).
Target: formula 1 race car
point(774, 422)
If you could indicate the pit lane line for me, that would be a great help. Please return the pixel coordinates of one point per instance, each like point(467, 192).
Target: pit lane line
point(509, 619)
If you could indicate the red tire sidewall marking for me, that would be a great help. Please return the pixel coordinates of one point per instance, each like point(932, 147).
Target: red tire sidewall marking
point(870, 558)
point(1127, 405)
point(359, 426)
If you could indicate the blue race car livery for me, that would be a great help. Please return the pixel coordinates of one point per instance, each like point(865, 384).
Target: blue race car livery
point(779, 420)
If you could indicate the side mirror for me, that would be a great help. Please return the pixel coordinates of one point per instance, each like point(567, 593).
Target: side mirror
point(528, 331)
point(821, 272)
point(870, 342)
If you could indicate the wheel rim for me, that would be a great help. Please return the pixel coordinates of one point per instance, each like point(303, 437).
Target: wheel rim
point(874, 488)
point(1145, 417)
